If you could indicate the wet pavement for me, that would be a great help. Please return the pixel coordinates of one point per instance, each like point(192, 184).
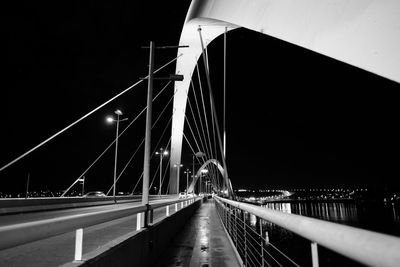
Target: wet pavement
point(201, 243)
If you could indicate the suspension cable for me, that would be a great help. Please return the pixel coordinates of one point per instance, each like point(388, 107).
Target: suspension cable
point(212, 145)
point(198, 109)
point(187, 140)
point(169, 181)
point(194, 118)
point(166, 168)
point(160, 115)
point(126, 165)
point(191, 147)
point(194, 140)
point(82, 118)
point(170, 119)
point(105, 150)
point(216, 118)
point(213, 168)
point(204, 145)
point(190, 128)
point(155, 148)
point(158, 168)
point(154, 176)
point(206, 120)
point(141, 176)
point(110, 145)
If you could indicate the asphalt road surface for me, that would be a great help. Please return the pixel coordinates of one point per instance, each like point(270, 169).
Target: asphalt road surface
point(60, 249)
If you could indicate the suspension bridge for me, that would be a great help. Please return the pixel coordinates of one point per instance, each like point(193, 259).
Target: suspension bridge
point(193, 218)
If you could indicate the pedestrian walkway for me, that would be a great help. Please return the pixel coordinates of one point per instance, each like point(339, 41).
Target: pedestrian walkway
point(203, 242)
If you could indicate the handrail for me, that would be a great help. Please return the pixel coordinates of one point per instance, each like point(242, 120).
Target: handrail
point(367, 247)
point(22, 233)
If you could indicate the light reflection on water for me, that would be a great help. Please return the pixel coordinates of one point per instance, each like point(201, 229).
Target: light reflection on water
point(338, 212)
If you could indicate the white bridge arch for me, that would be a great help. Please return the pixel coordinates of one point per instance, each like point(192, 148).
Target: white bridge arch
point(203, 167)
point(363, 33)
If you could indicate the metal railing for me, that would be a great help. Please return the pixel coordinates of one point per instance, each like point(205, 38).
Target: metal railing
point(253, 245)
point(22, 233)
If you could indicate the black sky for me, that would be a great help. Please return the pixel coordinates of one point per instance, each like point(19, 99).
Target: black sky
point(294, 118)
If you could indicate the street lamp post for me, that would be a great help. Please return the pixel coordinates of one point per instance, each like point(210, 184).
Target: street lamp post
point(178, 166)
point(202, 172)
point(162, 153)
point(197, 155)
point(208, 186)
point(110, 120)
point(82, 180)
point(187, 181)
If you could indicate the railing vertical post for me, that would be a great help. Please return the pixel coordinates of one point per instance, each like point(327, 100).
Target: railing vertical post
point(138, 221)
point(226, 215)
point(261, 242)
point(236, 229)
point(176, 207)
point(167, 210)
point(314, 254)
point(146, 216)
point(229, 221)
point(223, 212)
point(227, 218)
point(245, 239)
point(151, 215)
point(78, 244)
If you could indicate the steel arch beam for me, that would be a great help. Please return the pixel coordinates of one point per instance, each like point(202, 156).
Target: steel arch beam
point(363, 33)
point(204, 166)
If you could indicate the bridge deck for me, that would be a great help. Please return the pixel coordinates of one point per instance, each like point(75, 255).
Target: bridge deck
point(202, 242)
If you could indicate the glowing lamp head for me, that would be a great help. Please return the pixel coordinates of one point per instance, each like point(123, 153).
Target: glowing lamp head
point(110, 119)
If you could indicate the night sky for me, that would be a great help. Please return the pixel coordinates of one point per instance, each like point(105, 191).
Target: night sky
point(294, 118)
